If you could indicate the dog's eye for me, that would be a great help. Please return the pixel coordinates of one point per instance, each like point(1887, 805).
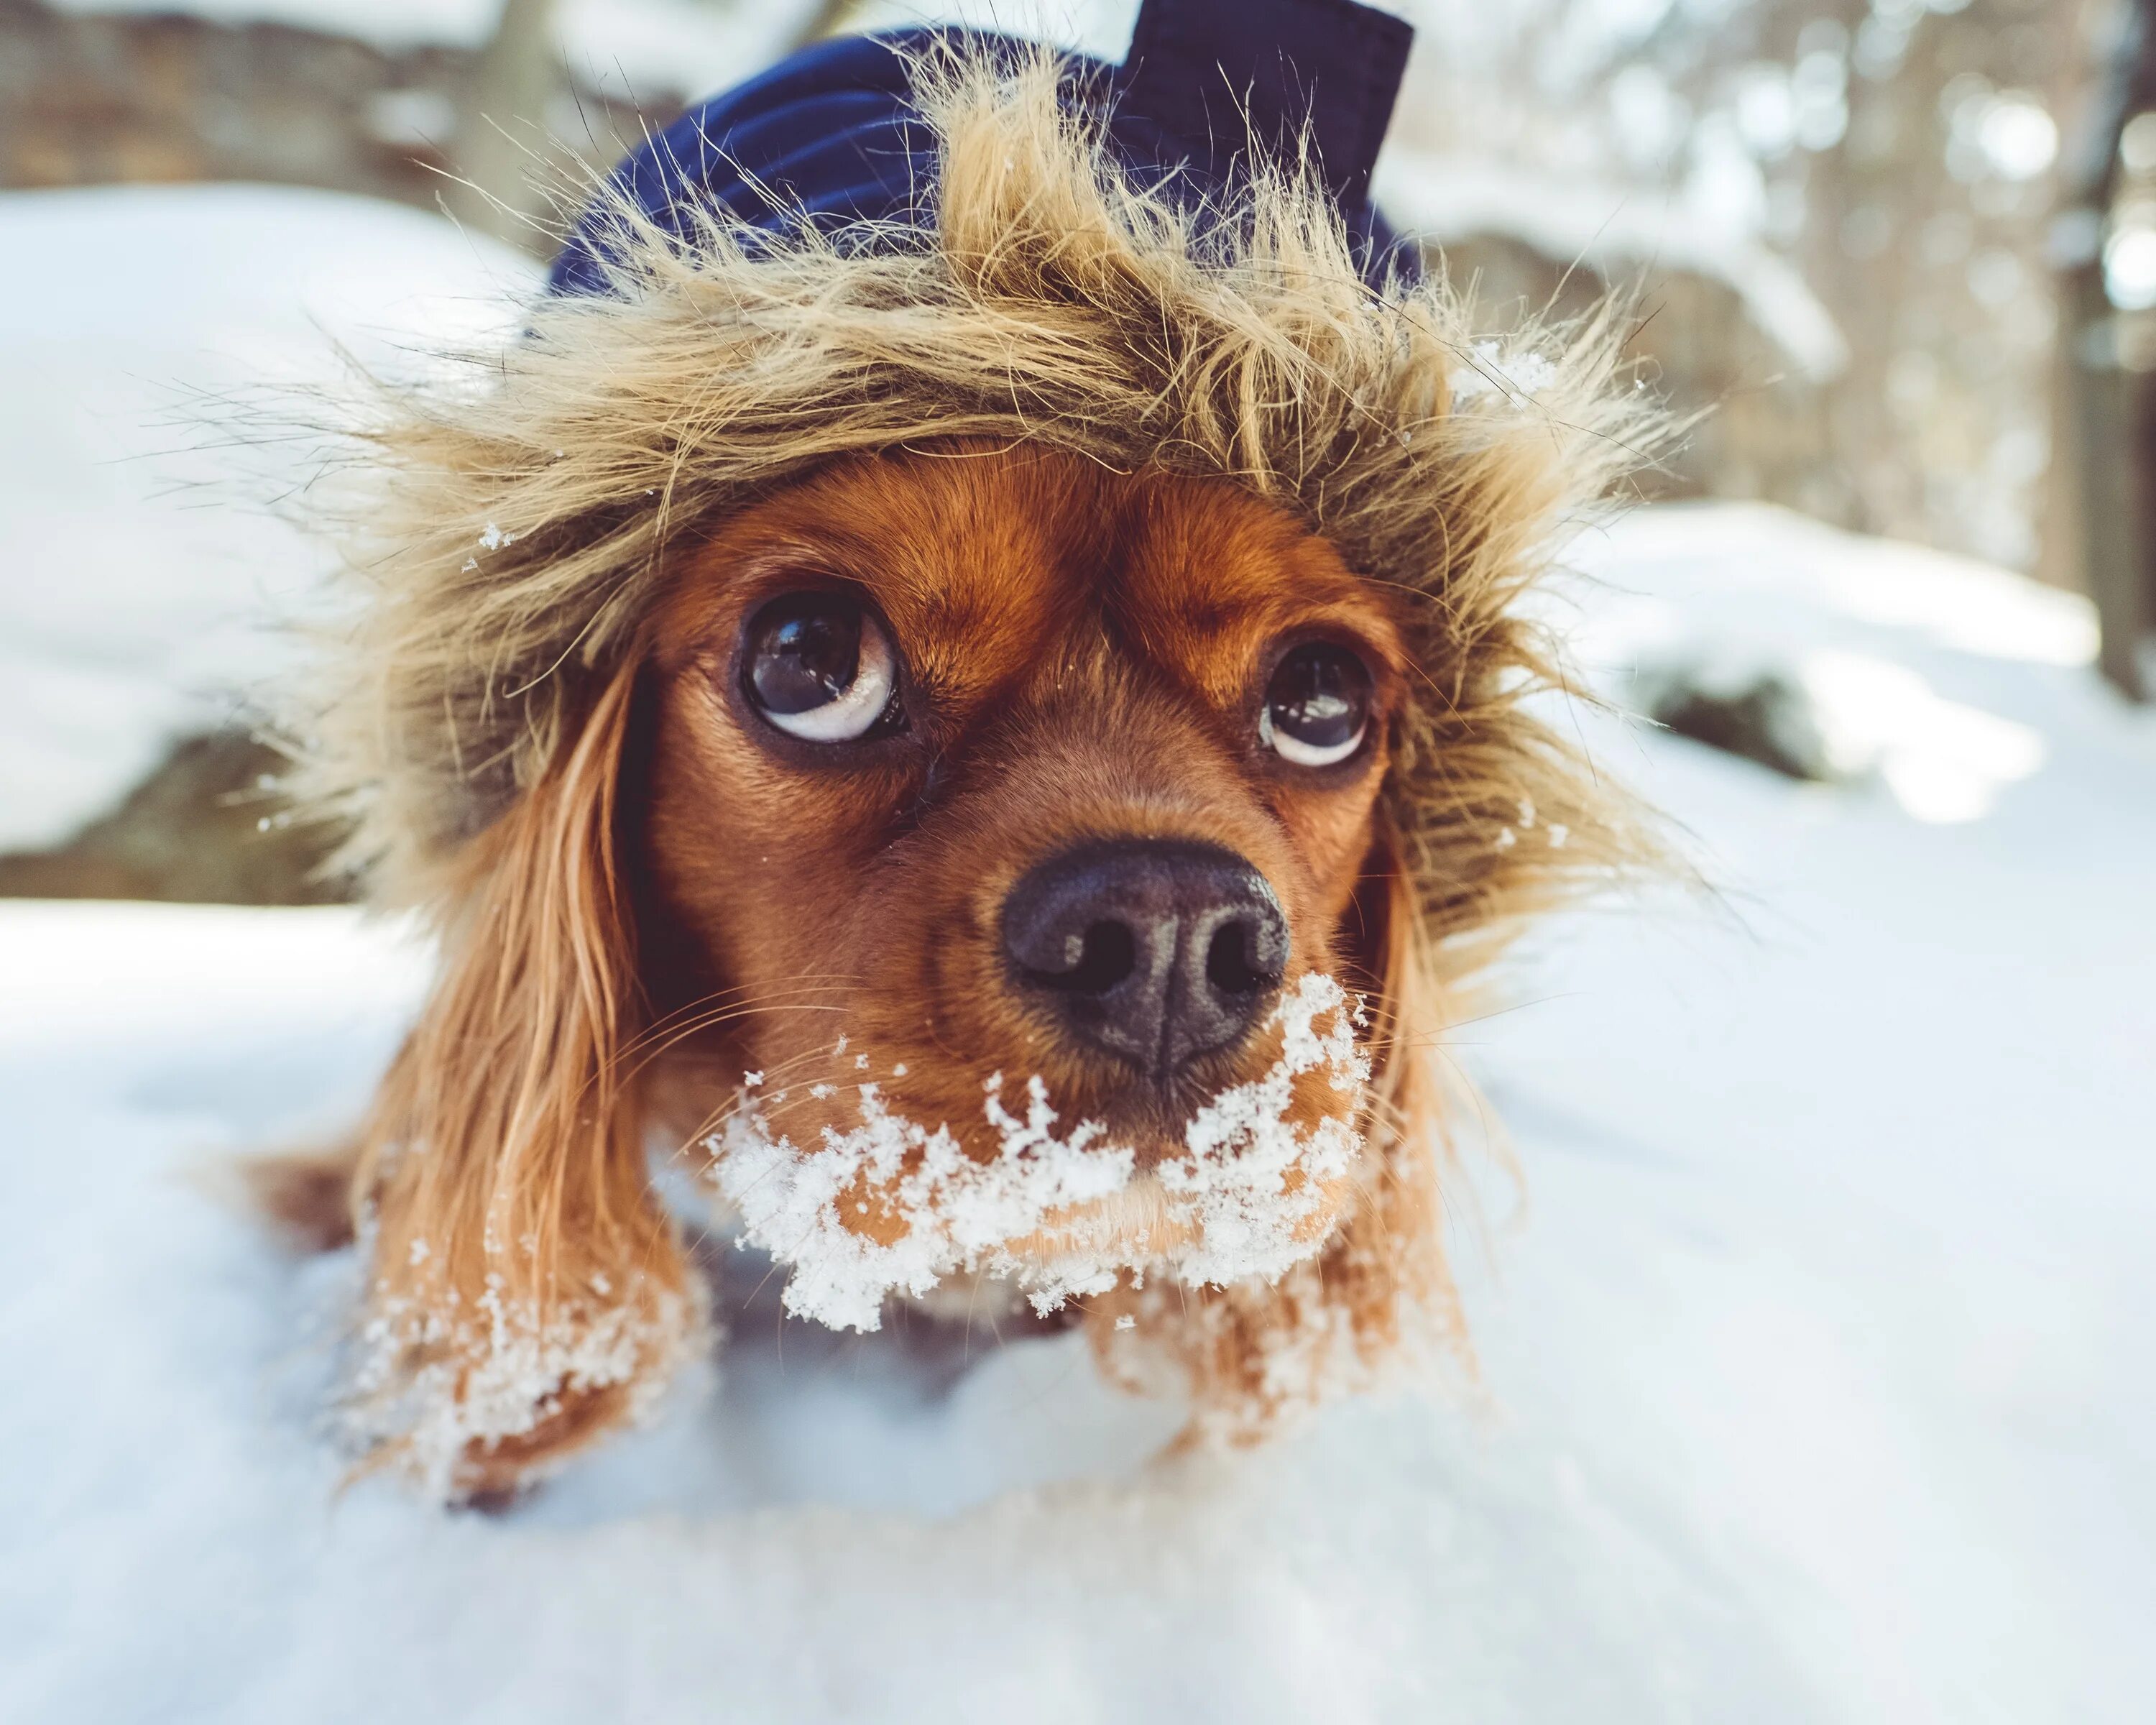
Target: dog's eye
point(819, 666)
point(1317, 706)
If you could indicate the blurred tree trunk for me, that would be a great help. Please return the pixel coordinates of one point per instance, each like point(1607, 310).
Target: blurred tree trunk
point(2103, 495)
point(504, 123)
point(2105, 488)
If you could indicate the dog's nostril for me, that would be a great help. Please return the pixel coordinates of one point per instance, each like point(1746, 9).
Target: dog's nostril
point(1094, 960)
point(1233, 964)
point(1154, 950)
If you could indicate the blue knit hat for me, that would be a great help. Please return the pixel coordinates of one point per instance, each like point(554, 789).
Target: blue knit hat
point(833, 135)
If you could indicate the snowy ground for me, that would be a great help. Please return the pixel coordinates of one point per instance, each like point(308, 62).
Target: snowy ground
point(690, 47)
point(138, 559)
point(1817, 1362)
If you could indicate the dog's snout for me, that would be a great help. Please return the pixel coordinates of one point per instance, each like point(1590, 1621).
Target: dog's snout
point(1154, 950)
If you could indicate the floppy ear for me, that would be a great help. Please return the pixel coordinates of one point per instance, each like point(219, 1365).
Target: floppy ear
point(526, 1292)
point(1253, 1355)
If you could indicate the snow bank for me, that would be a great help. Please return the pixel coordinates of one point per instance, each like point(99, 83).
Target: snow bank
point(1616, 230)
point(140, 577)
point(658, 45)
point(1818, 1383)
point(1100, 28)
point(1867, 633)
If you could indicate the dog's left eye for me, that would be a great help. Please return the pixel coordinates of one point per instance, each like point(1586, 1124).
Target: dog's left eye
point(819, 666)
point(1317, 706)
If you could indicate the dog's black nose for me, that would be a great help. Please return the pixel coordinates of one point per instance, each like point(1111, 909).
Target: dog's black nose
point(1152, 949)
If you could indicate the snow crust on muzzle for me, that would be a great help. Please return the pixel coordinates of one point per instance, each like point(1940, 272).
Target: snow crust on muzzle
point(1243, 1199)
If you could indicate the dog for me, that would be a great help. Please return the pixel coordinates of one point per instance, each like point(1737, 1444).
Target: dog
point(997, 745)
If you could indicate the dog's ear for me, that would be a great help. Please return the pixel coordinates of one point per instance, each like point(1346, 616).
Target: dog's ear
point(1253, 1355)
point(1384, 1282)
point(526, 1290)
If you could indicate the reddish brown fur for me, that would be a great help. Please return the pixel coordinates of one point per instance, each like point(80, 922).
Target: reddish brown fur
point(692, 896)
point(1092, 649)
point(307, 1193)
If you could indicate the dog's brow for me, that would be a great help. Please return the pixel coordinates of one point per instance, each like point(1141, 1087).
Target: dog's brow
point(1211, 577)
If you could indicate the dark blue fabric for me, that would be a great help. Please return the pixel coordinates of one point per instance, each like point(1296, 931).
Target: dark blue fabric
point(831, 135)
point(1210, 73)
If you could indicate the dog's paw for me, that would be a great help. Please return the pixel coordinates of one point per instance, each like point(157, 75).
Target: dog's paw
point(493, 1475)
point(477, 1397)
point(303, 1195)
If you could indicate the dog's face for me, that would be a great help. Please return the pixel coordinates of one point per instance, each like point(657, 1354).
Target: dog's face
point(969, 767)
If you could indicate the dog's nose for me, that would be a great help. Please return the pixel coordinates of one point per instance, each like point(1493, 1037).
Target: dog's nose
point(1155, 950)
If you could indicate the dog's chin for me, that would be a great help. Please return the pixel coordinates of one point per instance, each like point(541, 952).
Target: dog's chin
point(1143, 1230)
point(866, 1202)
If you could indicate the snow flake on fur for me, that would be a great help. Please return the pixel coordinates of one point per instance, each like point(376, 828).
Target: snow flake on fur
point(890, 1206)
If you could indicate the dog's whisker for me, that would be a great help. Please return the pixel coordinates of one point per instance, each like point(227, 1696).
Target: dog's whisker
point(657, 1049)
point(718, 1000)
point(777, 1076)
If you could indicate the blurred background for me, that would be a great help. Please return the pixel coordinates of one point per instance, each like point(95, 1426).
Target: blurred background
point(1903, 254)
point(1813, 1379)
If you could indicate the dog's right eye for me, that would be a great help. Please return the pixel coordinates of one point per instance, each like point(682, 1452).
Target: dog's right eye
point(819, 666)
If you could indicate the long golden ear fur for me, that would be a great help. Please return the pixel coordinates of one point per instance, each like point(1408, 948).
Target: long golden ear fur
point(526, 1291)
point(1252, 1356)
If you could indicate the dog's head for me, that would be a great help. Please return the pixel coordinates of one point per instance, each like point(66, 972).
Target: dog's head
point(985, 779)
point(949, 728)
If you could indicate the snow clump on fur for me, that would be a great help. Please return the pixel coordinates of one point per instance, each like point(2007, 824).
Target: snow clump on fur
point(1238, 1204)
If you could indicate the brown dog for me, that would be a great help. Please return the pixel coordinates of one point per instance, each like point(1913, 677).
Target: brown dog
point(941, 737)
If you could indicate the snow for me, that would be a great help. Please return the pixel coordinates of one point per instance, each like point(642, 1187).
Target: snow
point(1621, 232)
point(1100, 28)
point(682, 46)
point(139, 570)
point(691, 47)
point(1814, 1376)
point(1243, 1200)
point(507, 1386)
point(1775, 601)
point(1814, 1379)
point(390, 25)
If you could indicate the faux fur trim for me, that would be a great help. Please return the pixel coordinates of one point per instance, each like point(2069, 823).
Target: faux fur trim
point(517, 520)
